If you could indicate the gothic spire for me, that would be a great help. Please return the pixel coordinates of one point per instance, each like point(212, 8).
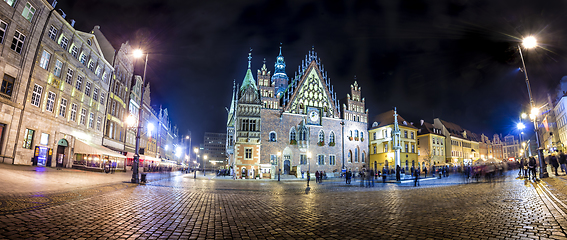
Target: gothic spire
point(249, 79)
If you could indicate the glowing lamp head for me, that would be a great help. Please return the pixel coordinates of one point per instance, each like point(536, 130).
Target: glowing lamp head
point(130, 120)
point(166, 147)
point(529, 42)
point(279, 153)
point(524, 115)
point(309, 154)
point(186, 137)
point(150, 127)
point(521, 126)
point(138, 53)
point(196, 150)
point(206, 157)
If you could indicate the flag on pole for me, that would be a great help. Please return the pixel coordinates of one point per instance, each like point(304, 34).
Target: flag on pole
point(545, 124)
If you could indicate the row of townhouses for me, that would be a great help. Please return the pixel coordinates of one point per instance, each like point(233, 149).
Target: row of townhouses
point(280, 125)
point(66, 95)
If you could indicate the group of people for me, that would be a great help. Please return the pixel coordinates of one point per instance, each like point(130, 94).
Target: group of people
point(319, 176)
point(558, 159)
point(528, 168)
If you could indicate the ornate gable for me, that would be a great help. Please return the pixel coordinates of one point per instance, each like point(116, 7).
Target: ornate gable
point(311, 89)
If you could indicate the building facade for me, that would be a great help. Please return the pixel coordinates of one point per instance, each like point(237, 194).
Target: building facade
point(214, 146)
point(293, 126)
point(430, 144)
point(393, 141)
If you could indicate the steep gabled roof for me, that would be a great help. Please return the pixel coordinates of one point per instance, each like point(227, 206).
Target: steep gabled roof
point(428, 128)
point(387, 118)
point(105, 47)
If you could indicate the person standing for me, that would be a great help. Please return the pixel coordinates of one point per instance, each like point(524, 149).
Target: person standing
point(424, 172)
point(398, 178)
point(563, 161)
point(384, 174)
point(532, 168)
point(521, 163)
point(553, 161)
point(416, 176)
point(316, 176)
point(308, 178)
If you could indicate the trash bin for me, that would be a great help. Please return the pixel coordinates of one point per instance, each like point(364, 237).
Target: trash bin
point(143, 178)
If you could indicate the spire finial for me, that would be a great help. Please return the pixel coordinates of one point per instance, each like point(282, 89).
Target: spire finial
point(264, 61)
point(280, 49)
point(249, 58)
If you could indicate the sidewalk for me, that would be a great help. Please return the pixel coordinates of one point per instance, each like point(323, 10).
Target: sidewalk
point(17, 179)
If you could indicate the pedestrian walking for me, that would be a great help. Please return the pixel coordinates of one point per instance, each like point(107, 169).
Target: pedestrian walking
point(554, 163)
point(521, 164)
point(384, 174)
point(317, 176)
point(398, 178)
point(563, 161)
point(416, 176)
point(362, 178)
point(372, 176)
point(532, 168)
point(424, 172)
point(308, 178)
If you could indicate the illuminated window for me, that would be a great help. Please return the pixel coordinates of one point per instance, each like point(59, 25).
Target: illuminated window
point(91, 120)
point(44, 61)
point(83, 59)
point(28, 12)
point(28, 140)
point(88, 89)
point(57, 68)
point(10, 2)
point(102, 98)
point(95, 94)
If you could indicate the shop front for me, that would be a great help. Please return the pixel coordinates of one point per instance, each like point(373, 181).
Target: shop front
point(92, 156)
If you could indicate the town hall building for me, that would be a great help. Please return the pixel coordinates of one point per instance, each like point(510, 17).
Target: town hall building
point(278, 125)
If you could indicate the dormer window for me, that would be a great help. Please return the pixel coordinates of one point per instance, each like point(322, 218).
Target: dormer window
point(89, 42)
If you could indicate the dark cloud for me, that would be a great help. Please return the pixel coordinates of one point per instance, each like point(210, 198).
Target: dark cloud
point(453, 59)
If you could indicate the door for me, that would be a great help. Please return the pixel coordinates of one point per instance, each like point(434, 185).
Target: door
point(286, 167)
point(60, 156)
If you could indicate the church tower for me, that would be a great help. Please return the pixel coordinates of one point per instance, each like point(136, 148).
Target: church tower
point(247, 127)
point(269, 99)
point(280, 79)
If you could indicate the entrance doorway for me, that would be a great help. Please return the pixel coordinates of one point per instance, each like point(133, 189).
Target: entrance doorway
point(60, 156)
point(286, 166)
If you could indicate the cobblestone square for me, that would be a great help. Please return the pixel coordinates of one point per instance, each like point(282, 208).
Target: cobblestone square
point(181, 207)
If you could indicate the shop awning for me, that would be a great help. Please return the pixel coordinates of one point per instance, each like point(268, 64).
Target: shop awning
point(143, 157)
point(91, 148)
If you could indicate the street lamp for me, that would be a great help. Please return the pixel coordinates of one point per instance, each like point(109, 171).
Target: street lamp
point(279, 169)
point(138, 54)
point(531, 42)
point(309, 171)
point(196, 150)
point(204, 164)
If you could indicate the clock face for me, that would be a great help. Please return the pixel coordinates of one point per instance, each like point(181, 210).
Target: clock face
point(314, 115)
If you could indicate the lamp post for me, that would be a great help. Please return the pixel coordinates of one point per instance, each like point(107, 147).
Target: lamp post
point(531, 42)
point(521, 127)
point(196, 150)
point(204, 164)
point(309, 171)
point(279, 169)
point(135, 178)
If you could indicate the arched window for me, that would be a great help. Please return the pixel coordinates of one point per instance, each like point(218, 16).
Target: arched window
point(302, 135)
point(292, 135)
point(361, 136)
point(273, 136)
point(350, 133)
point(349, 157)
point(356, 155)
point(321, 136)
point(363, 156)
point(332, 137)
point(356, 133)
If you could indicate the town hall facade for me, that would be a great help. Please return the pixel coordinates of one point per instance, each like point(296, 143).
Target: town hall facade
point(278, 125)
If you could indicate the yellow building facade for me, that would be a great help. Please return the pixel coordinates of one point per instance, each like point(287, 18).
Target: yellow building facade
point(430, 144)
point(381, 145)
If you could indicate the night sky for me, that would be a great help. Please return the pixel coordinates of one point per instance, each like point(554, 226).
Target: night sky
point(456, 60)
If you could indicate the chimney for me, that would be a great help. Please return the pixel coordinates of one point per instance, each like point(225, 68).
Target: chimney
point(421, 122)
point(73, 23)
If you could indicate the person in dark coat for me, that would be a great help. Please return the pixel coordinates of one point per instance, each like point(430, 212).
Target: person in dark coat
point(416, 176)
point(398, 178)
point(562, 161)
point(384, 174)
point(532, 168)
point(317, 176)
point(424, 172)
point(553, 161)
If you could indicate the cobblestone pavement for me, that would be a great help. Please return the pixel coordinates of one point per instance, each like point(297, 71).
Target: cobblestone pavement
point(184, 208)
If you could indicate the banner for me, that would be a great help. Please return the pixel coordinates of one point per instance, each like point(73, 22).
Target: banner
point(545, 124)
